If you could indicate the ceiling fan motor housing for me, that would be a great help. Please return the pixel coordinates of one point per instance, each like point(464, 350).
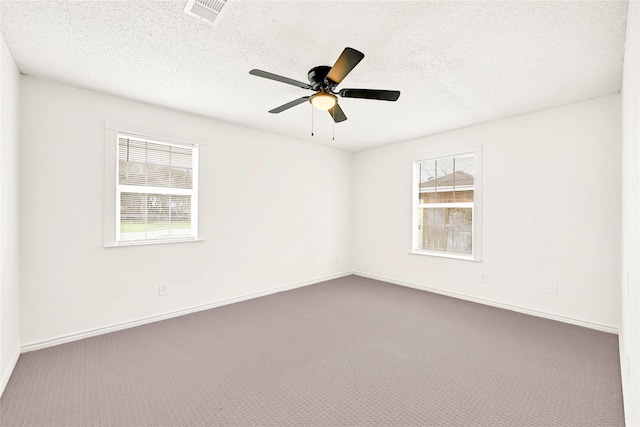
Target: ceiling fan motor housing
point(318, 78)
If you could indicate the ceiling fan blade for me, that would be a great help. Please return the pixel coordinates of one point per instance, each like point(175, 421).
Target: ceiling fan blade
point(383, 95)
point(337, 114)
point(278, 78)
point(288, 105)
point(345, 63)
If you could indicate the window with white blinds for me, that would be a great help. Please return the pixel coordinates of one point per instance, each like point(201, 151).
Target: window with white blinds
point(157, 195)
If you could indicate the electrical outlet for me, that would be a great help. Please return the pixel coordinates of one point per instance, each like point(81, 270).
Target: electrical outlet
point(336, 260)
point(484, 278)
point(553, 288)
point(163, 289)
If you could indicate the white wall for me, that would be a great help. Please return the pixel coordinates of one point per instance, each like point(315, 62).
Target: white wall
point(551, 209)
point(273, 212)
point(630, 323)
point(9, 214)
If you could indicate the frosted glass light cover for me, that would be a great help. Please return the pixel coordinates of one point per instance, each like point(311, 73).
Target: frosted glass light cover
point(323, 101)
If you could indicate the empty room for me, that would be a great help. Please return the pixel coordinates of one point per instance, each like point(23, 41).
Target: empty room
point(319, 213)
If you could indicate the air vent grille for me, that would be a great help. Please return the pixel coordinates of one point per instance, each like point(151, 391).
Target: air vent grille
point(209, 11)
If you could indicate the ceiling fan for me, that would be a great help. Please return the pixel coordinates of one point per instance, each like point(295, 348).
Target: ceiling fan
point(323, 80)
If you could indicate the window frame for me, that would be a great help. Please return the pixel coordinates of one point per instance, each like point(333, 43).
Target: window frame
point(476, 205)
point(113, 188)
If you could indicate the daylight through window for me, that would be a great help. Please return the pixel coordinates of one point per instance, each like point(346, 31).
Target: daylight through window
point(157, 191)
point(444, 201)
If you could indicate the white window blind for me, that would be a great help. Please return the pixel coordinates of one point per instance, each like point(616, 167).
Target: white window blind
point(156, 191)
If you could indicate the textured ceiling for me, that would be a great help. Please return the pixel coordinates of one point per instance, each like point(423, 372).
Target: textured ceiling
point(456, 63)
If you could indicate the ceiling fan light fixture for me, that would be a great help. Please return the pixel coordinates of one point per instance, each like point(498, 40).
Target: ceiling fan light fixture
point(323, 101)
point(323, 81)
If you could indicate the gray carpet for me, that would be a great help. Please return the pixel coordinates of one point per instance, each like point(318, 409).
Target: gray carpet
point(347, 352)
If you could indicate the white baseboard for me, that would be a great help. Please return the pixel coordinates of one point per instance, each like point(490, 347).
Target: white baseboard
point(9, 370)
point(142, 321)
point(578, 322)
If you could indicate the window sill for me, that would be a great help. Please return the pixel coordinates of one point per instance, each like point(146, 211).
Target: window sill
point(443, 255)
point(151, 242)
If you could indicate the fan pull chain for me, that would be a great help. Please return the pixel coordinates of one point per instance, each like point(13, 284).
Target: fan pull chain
point(333, 126)
point(312, 120)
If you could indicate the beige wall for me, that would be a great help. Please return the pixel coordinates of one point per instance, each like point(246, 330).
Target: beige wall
point(9, 215)
point(273, 212)
point(630, 322)
point(550, 214)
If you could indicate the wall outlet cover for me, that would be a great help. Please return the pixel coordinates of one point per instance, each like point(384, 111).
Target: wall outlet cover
point(163, 289)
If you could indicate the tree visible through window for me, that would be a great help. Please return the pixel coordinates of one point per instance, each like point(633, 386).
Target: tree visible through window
point(157, 190)
point(444, 205)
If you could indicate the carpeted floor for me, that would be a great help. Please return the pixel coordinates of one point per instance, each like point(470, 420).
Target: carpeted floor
point(347, 352)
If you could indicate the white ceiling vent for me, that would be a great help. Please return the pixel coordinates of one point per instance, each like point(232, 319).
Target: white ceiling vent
point(209, 11)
